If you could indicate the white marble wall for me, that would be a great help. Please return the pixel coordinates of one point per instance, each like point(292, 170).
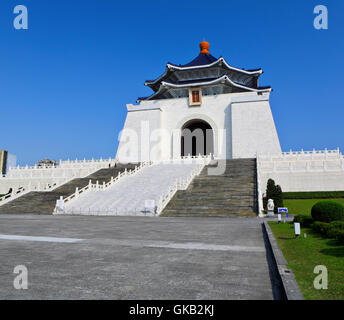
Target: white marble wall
point(242, 122)
point(253, 129)
point(303, 171)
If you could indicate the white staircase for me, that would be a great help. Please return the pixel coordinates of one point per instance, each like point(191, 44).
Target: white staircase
point(128, 195)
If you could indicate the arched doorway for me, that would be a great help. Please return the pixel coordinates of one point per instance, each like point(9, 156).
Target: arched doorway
point(197, 138)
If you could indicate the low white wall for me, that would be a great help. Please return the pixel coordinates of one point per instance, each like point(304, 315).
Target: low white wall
point(37, 184)
point(38, 178)
point(306, 181)
point(303, 171)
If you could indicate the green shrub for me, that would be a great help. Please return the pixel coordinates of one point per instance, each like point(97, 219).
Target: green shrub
point(305, 221)
point(336, 230)
point(327, 211)
point(333, 230)
point(321, 227)
point(332, 233)
point(337, 225)
point(340, 236)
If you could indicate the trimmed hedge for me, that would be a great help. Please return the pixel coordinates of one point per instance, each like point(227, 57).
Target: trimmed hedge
point(321, 227)
point(327, 211)
point(313, 195)
point(337, 224)
point(305, 221)
point(340, 236)
point(333, 230)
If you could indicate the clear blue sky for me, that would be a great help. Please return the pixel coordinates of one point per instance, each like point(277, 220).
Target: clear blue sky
point(65, 81)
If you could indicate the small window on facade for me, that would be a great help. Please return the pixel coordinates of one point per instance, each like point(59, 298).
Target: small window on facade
point(195, 96)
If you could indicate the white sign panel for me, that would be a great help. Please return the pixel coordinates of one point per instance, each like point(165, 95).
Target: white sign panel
point(297, 228)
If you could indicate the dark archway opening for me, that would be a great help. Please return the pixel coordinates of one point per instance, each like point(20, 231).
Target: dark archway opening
point(197, 138)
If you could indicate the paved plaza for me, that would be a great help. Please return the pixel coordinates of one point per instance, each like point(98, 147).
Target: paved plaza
point(80, 257)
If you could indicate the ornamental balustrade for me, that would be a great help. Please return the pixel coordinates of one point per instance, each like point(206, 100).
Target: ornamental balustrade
point(57, 175)
point(180, 184)
point(302, 161)
point(66, 164)
point(100, 187)
point(16, 193)
point(301, 165)
point(259, 191)
point(303, 155)
point(70, 167)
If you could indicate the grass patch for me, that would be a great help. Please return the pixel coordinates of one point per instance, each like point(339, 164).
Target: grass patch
point(304, 206)
point(303, 255)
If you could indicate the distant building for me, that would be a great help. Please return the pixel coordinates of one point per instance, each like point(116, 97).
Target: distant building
point(46, 163)
point(7, 160)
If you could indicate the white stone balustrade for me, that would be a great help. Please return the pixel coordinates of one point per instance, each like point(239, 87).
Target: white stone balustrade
point(26, 171)
point(97, 187)
point(37, 178)
point(16, 193)
point(303, 161)
point(125, 196)
point(316, 170)
point(303, 155)
point(181, 184)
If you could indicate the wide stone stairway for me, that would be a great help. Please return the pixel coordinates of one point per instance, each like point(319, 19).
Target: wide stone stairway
point(233, 193)
point(128, 196)
point(44, 202)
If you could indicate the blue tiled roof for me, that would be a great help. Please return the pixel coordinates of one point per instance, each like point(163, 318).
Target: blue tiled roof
point(191, 81)
point(200, 60)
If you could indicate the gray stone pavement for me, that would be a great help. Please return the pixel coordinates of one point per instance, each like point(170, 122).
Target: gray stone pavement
point(135, 258)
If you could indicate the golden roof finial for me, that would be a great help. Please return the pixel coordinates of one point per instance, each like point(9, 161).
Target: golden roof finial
point(204, 46)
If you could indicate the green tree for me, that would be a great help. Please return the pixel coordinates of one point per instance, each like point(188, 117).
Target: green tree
point(273, 192)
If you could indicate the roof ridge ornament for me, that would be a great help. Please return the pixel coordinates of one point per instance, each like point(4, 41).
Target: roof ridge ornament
point(204, 46)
